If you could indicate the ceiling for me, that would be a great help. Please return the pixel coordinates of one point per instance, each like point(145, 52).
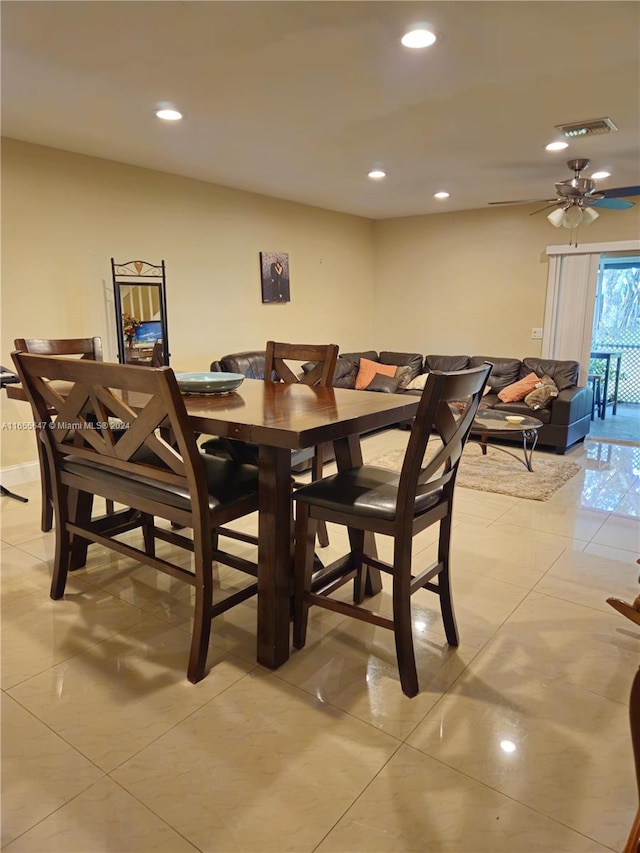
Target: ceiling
point(299, 100)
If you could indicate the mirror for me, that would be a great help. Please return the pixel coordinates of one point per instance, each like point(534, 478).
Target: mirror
point(141, 313)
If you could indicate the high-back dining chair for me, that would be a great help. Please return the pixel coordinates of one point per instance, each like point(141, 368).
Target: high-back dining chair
point(86, 348)
point(150, 463)
point(320, 363)
point(632, 612)
point(368, 499)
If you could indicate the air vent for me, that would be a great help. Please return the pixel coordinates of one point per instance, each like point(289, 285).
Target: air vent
point(587, 128)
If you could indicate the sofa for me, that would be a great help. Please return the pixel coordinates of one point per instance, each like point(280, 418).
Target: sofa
point(565, 418)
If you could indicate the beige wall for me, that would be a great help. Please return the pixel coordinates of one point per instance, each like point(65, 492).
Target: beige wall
point(65, 215)
point(471, 282)
point(474, 281)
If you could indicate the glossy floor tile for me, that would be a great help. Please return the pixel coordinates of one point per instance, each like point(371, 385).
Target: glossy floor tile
point(518, 741)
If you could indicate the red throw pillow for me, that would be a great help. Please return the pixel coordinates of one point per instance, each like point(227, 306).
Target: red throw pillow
point(368, 370)
point(519, 390)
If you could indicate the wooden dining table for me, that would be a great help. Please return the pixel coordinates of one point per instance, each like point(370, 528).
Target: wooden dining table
point(279, 418)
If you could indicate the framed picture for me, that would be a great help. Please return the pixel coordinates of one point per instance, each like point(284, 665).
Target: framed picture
point(274, 276)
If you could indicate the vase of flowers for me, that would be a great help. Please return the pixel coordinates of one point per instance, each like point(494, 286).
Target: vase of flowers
point(130, 325)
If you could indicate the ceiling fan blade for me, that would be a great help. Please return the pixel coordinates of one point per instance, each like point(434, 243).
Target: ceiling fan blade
point(613, 203)
point(620, 192)
point(547, 207)
point(525, 201)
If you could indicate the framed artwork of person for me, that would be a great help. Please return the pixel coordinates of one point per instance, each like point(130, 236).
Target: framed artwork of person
point(274, 276)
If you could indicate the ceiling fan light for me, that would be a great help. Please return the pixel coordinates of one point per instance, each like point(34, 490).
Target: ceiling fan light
point(556, 216)
point(573, 216)
point(589, 215)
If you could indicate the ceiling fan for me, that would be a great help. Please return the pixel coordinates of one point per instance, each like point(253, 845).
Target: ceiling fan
point(576, 197)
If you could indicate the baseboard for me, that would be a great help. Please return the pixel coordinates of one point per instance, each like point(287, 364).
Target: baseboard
point(13, 475)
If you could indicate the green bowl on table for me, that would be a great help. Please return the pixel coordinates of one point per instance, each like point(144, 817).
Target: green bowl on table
point(208, 383)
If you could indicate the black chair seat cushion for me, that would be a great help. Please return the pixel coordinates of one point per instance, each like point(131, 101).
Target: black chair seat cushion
point(228, 482)
point(367, 490)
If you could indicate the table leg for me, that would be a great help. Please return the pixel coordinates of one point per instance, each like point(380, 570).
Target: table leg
point(348, 455)
point(275, 555)
point(614, 408)
point(605, 390)
point(528, 451)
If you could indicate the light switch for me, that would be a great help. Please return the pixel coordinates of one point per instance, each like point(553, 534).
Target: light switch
point(536, 334)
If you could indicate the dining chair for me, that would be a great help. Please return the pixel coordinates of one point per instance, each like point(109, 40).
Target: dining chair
point(370, 500)
point(632, 612)
point(86, 348)
point(150, 464)
point(319, 362)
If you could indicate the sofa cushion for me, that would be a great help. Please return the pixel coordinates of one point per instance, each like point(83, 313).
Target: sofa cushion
point(250, 364)
point(404, 375)
point(403, 359)
point(368, 369)
point(542, 394)
point(563, 373)
point(518, 390)
point(345, 375)
point(355, 357)
point(505, 371)
point(521, 408)
point(446, 362)
point(418, 382)
point(386, 384)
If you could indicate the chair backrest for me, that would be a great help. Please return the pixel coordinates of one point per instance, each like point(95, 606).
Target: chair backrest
point(90, 348)
point(278, 354)
point(157, 354)
point(436, 418)
point(145, 407)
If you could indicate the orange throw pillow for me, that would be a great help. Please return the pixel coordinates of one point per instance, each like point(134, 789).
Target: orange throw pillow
point(368, 370)
point(519, 390)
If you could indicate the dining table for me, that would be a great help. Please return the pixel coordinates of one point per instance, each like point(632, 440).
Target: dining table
point(280, 417)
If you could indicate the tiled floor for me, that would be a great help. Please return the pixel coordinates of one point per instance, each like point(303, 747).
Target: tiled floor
point(518, 741)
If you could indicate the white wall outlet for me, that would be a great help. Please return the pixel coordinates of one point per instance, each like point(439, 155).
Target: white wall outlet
point(536, 334)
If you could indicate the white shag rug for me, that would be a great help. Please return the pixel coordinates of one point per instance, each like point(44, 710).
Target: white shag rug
point(501, 473)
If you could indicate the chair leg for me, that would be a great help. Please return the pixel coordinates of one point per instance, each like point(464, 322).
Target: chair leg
point(444, 583)
point(62, 558)
point(109, 507)
point(402, 618)
point(196, 670)
point(46, 490)
point(147, 534)
point(316, 474)
point(303, 563)
point(356, 540)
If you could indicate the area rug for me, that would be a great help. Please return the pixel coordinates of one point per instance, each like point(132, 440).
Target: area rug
point(500, 473)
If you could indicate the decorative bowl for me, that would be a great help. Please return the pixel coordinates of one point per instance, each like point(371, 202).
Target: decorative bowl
point(514, 419)
point(208, 383)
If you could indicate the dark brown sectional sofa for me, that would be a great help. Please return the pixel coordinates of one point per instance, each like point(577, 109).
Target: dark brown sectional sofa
point(565, 422)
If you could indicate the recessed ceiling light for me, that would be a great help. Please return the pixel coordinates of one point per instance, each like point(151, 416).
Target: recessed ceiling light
point(441, 194)
point(376, 174)
point(599, 176)
point(418, 38)
point(557, 146)
point(169, 115)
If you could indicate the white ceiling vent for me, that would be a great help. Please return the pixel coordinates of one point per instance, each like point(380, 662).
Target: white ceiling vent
point(587, 128)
